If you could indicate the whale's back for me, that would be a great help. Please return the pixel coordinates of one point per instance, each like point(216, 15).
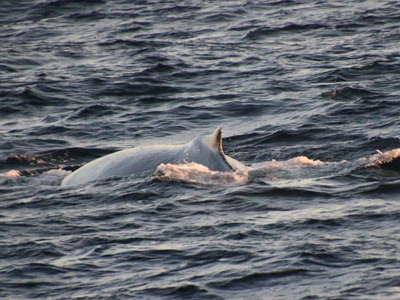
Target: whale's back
point(132, 161)
point(205, 150)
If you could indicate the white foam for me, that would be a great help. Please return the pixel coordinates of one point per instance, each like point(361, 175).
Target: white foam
point(297, 162)
point(12, 174)
point(57, 172)
point(51, 177)
point(196, 173)
point(384, 157)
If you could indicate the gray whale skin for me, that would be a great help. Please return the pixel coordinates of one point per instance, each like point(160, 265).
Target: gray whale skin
point(205, 150)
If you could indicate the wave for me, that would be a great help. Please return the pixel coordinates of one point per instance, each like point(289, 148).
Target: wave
point(47, 167)
point(256, 279)
point(36, 177)
point(349, 93)
point(46, 174)
point(134, 43)
point(357, 73)
point(134, 89)
point(52, 158)
point(92, 111)
point(262, 32)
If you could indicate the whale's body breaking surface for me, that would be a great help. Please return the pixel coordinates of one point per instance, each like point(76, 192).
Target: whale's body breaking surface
point(205, 150)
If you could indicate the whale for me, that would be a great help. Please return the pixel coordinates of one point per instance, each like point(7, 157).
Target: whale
point(206, 150)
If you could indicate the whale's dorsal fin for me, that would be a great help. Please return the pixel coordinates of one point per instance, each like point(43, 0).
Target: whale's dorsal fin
point(215, 141)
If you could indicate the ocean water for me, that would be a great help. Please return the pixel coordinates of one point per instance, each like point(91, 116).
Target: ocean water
point(307, 94)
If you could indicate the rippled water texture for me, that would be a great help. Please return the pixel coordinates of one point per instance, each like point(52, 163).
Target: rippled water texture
point(306, 92)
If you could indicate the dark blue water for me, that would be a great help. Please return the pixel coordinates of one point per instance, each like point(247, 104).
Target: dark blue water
point(305, 92)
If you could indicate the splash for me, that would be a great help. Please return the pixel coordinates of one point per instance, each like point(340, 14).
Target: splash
point(297, 162)
point(389, 158)
point(57, 172)
point(296, 168)
point(48, 177)
point(12, 174)
point(51, 177)
point(196, 173)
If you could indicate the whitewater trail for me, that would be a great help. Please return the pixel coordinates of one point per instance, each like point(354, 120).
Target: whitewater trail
point(292, 169)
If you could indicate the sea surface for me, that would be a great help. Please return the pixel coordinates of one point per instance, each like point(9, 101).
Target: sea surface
point(308, 97)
